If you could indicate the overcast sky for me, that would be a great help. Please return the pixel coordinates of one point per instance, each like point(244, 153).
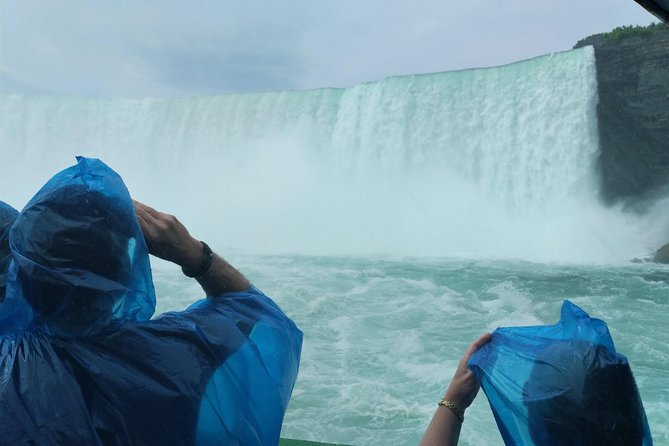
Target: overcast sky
point(167, 48)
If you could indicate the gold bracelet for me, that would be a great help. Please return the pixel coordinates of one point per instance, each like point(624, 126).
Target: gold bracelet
point(455, 409)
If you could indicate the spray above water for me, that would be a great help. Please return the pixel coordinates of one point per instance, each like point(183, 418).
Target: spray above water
point(490, 162)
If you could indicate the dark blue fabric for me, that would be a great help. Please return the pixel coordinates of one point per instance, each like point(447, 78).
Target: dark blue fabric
point(81, 361)
point(561, 384)
point(79, 257)
point(7, 217)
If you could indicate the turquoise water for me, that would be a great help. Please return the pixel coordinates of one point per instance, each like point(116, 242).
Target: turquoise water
point(383, 335)
point(453, 169)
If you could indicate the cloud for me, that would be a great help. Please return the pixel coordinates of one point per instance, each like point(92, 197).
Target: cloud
point(173, 48)
point(210, 73)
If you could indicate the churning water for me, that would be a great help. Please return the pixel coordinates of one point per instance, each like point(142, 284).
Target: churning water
point(387, 219)
point(383, 336)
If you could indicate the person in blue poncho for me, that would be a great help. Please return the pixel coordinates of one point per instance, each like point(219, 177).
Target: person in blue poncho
point(561, 384)
point(83, 363)
point(551, 385)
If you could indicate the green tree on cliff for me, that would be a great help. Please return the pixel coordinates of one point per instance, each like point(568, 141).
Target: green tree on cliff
point(622, 32)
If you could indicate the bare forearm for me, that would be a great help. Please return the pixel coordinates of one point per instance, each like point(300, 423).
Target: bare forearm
point(444, 429)
point(222, 278)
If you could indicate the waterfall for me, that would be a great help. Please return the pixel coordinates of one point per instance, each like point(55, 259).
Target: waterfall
point(484, 162)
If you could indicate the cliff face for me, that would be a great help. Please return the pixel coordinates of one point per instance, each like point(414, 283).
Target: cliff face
point(633, 113)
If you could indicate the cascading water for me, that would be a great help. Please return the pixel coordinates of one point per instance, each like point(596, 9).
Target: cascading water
point(483, 162)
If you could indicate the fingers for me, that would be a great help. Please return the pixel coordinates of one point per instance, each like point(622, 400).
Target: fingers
point(139, 207)
point(145, 212)
point(482, 340)
point(140, 210)
point(166, 237)
point(477, 344)
point(150, 225)
point(145, 224)
point(141, 214)
point(148, 210)
point(156, 219)
point(152, 221)
point(146, 220)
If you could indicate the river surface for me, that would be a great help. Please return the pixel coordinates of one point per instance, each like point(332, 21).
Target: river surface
point(383, 336)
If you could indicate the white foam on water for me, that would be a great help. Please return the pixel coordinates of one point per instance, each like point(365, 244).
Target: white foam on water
point(510, 307)
point(380, 353)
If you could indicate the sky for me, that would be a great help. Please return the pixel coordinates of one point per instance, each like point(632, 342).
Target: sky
point(169, 48)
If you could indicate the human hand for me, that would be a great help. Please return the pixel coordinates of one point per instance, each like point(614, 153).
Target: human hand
point(167, 238)
point(464, 387)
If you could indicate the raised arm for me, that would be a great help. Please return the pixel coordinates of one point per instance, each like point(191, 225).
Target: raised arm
point(168, 239)
point(444, 429)
point(246, 349)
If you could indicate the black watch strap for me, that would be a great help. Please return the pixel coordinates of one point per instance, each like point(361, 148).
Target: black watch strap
point(205, 264)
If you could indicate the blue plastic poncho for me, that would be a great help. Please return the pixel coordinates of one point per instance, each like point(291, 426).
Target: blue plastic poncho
point(561, 384)
point(81, 361)
point(7, 216)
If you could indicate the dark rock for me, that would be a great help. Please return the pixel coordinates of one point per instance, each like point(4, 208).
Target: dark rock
point(633, 112)
point(662, 255)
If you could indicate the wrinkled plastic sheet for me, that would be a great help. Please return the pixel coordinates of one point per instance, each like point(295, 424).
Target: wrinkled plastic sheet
point(561, 384)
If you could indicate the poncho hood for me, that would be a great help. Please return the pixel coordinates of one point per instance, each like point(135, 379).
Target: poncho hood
point(79, 260)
